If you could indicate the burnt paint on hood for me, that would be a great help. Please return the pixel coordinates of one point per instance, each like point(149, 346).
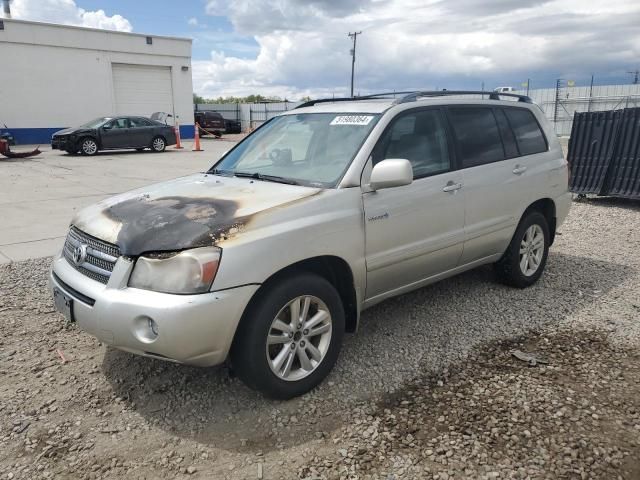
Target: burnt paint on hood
point(172, 223)
point(195, 211)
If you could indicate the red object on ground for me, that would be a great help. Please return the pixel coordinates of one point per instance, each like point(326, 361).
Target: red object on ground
point(6, 151)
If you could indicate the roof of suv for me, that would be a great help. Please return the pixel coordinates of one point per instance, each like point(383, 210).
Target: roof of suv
point(378, 104)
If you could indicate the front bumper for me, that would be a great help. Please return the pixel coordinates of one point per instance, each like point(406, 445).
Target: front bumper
point(192, 329)
point(61, 143)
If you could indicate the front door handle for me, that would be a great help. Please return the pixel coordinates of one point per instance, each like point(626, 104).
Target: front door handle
point(519, 170)
point(452, 187)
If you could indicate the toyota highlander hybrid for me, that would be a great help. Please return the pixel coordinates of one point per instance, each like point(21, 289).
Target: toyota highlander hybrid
point(273, 253)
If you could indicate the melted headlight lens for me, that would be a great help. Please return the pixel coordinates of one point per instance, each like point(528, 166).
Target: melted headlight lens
point(186, 272)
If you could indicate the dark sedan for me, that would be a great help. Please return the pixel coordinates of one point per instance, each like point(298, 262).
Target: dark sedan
point(109, 133)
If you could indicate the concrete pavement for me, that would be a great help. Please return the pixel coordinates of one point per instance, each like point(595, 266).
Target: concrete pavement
point(39, 195)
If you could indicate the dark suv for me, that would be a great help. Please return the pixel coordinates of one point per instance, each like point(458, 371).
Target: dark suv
point(215, 123)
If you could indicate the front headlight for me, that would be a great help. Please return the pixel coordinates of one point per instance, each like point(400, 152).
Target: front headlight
point(186, 272)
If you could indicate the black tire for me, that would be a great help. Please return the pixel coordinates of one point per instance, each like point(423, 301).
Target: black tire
point(70, 151)
point(158, 144)
point(249, 350)
point(88, 146)
point(508, 269)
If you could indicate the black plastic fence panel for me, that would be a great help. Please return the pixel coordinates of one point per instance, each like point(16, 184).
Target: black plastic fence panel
point(603, 153)
point(591, 148)
point(623, 178)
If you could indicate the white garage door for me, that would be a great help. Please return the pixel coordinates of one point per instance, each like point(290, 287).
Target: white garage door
point(142, 89)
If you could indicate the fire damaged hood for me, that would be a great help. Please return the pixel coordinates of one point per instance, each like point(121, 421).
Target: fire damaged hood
point(195, 211)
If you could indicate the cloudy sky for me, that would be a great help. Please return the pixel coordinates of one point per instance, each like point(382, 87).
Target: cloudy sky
point(293, 48)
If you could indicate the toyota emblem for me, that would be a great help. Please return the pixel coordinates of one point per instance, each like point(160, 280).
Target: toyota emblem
point(79, 254)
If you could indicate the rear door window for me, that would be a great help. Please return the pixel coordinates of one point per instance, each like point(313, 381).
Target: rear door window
point(137, 122)
point(527, 131)
point(477, 135)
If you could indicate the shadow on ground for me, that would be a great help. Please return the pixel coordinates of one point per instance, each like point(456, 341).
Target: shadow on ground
point(420, 332)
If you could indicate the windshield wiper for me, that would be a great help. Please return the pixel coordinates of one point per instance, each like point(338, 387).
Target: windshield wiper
point(266, 178)
point(217, 171)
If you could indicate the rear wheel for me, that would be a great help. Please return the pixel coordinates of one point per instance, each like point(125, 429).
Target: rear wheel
point(158, 144)
point(88, 146)
point(290, 338)
point(525, 259)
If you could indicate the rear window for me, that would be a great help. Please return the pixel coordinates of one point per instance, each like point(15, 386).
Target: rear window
point(529, 137)
point(477, 135)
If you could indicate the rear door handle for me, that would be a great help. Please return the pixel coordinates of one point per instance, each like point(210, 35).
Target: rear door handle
point(519, 170)
point(452, 187)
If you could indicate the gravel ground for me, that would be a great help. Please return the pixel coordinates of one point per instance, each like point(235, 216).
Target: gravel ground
point(71, 408)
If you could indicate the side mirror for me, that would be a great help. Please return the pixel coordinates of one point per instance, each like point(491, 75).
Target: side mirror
point(106, 127)
point(393, 172)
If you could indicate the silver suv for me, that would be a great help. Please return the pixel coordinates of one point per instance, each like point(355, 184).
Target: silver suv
point(272, 254)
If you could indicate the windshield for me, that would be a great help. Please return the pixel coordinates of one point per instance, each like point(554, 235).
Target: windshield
point(95, 123)
point(311, 149)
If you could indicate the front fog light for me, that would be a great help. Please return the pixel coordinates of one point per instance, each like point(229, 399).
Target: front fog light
point(145, 329)
point(187, 272)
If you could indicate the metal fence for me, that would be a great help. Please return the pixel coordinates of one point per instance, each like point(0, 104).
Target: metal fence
point(604, 153)
point(250, 115)
point(560, 104)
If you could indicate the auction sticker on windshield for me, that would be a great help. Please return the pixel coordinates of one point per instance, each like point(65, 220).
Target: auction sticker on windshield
point(351, 120)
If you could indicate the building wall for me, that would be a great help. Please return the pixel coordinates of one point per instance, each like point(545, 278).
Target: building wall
point(53, 76)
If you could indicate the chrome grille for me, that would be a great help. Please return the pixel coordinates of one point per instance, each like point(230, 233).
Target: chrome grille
point(99, 259)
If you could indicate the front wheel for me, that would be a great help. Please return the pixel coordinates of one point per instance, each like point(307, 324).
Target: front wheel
point(525, 258)
point(88, 146)
point(290, 337)
point(158, 144)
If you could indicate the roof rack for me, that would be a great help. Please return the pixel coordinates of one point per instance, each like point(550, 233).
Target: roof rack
point(412, 96)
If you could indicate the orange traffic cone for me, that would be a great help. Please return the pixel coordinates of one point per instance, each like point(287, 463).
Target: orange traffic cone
point(196, 143)
point(176, 128)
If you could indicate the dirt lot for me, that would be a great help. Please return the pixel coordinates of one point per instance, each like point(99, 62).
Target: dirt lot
point(427, 389)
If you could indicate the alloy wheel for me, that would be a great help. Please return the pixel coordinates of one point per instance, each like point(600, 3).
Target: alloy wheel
point(531, 250)
point(89, 147)
point(299, 338)
point(158, 144)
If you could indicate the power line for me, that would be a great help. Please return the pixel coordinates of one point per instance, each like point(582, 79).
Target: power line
point(353, 35)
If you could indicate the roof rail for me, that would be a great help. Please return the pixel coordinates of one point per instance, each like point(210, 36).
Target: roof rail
point(374, 96)
point(412, 96)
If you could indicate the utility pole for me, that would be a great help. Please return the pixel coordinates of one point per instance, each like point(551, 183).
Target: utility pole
point(556, 104)
point(353, 35)
point(635, 73)
point(6, 8)
point(590, 94)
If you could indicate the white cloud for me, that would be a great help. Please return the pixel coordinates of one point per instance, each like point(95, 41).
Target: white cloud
point(67, 12)
point(193, 21)
point(304, 48)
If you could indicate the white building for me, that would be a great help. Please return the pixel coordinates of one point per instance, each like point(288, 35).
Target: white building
point(58, 76)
